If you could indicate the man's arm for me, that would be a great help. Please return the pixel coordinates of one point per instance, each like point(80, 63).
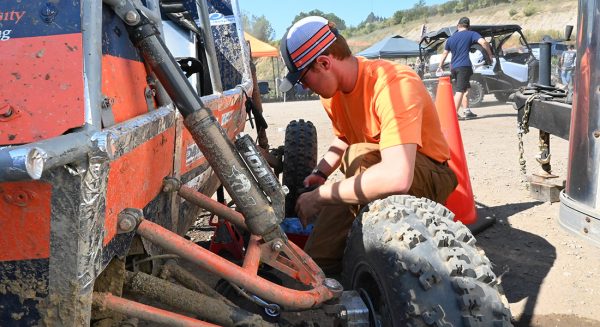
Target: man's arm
point(330, 162)
point(560, 60)
point(486, 45)
point(393, 175)
point(444, 55)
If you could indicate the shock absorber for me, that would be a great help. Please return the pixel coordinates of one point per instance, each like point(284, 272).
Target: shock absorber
point(265, 177)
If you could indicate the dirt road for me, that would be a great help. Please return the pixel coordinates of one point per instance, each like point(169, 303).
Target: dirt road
point(550, 277)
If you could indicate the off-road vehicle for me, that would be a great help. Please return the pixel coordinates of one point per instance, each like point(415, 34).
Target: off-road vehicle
point(501, 75)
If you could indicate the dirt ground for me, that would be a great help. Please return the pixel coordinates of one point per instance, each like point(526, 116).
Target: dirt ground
point(549, 275)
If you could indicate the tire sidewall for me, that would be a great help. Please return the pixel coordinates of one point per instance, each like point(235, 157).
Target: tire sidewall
point(416, 254)
point(476, 97)
point(299, 159)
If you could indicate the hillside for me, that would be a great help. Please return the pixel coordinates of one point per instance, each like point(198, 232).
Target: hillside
point(549, 17)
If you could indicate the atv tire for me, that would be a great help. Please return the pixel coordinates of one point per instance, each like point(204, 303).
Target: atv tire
point(502, 97)
point(414, 266)
point(299, 159)
point(476, 93)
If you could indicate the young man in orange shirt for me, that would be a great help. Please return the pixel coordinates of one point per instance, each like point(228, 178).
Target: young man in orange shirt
point(388, 135)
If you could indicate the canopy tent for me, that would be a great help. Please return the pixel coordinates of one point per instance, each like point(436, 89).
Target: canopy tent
point(260, 48)
point(392, 47)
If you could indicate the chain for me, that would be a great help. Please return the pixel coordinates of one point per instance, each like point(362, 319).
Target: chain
point(523, 128)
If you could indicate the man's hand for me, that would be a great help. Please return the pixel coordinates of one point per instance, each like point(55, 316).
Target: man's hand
point(307, 207)
point(313, 179)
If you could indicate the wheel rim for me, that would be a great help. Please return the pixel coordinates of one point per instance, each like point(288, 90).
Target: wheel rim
point(372, 294)
point(364, 295)
point(475, 93)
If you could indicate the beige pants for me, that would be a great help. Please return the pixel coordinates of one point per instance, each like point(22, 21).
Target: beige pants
point(327, 241)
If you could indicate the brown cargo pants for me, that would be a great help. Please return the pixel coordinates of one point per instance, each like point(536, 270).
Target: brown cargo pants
point(327, 241)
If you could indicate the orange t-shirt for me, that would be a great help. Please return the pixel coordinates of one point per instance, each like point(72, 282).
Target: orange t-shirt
point(389, 105)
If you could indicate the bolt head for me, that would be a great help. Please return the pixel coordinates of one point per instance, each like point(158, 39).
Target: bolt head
point(131, 17)
point(126, 224)
point(333, 285)
point(277, 245)
point(6, 110)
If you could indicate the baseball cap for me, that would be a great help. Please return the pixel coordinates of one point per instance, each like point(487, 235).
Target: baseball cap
point(464, 21)
point(302, 44)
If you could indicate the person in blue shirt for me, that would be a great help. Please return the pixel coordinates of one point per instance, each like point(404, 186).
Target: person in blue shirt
point(567, 63)
point(461, 68)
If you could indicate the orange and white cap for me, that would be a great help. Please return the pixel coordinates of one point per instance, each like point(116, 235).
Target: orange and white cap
point(302, 44)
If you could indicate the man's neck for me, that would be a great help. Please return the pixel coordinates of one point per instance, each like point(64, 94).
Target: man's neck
point(348, 74)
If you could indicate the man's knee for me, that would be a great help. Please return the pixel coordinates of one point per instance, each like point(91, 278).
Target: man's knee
point(432, 180)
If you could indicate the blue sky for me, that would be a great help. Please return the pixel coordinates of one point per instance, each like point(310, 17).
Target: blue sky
point(280, 13)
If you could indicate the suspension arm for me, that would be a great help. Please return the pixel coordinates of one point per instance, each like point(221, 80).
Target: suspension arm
point(245, 278)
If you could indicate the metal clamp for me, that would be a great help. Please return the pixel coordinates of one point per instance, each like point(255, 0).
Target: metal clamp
point(171, 184)
point(129, 219)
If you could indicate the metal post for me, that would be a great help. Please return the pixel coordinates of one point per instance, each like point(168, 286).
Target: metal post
point(209, 46)
point(91, 21)
point(29, 161)
point(545, 64)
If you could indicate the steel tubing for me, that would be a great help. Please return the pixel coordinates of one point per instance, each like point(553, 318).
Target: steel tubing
point(252, 257)
point(290, 299)
point(212, 206)
point(145, 312)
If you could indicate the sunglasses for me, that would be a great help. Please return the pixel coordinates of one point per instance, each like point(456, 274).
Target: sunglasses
point(303, 75)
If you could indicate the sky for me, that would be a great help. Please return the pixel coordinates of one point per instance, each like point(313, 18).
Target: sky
point(280, 13)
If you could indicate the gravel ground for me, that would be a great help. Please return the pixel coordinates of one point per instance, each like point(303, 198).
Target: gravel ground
point(549, 275)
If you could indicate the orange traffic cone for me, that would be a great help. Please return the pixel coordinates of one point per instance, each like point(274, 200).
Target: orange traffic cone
point(461, 201)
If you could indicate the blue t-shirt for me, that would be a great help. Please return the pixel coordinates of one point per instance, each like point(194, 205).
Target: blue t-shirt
point(459, 44)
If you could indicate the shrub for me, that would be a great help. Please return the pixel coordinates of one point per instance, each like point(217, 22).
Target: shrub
point(512, 12)
point(528, 11)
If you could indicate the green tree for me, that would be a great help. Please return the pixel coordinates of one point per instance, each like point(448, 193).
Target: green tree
point(340, 24)
point(398, 16)
point(259, 27)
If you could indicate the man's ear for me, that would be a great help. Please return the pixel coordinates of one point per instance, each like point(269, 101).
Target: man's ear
point(324, 62)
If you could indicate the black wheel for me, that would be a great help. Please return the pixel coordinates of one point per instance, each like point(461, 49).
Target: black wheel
point(417, 267)
point(299, 159)
point(502, 97)
point(476, 93)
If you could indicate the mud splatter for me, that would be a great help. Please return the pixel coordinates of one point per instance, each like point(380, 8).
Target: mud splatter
point(71, 48)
